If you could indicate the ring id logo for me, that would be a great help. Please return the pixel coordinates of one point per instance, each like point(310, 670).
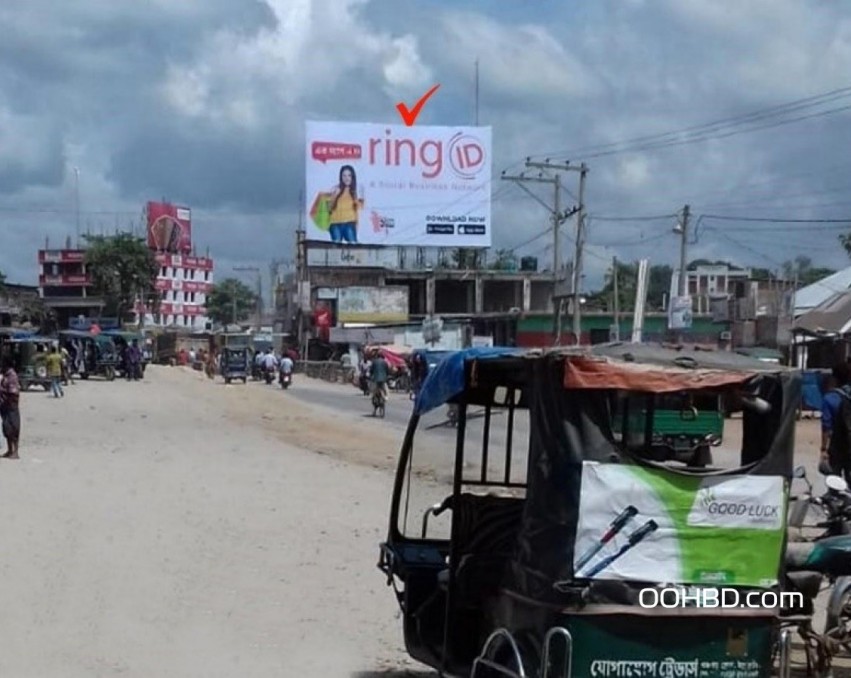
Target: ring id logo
point(466, 155)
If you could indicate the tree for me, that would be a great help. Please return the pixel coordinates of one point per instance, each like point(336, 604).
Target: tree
point(802, 268)
point(658, 286)
point(506, 260)
point(230, 301)
point(123, 270)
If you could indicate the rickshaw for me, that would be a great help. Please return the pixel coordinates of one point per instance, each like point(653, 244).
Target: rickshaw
point(29, 355)
point(122, 340)
point(99, 353)
point(543, 557)
point(235, 364)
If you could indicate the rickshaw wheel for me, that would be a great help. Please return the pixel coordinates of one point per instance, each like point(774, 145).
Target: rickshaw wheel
point(110, 373)
point(244, 380)
point(227, 380)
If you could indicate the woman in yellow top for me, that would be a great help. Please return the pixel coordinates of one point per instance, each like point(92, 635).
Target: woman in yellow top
point(345, 204)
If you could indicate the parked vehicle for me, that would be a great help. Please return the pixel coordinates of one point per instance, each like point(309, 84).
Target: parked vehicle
point(99, 357)
point(29, 354)
point(235, 364)
point(536, 561)
point(818, 563)
point(124, 339)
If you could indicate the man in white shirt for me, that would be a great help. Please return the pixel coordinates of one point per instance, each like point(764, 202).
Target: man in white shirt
point(270, 362)
point(286, 364)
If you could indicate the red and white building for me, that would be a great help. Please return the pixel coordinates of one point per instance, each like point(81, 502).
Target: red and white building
point(183, 282)
point(64, 283)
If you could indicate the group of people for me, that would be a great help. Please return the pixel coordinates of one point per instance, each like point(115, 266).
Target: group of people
point(270, 363)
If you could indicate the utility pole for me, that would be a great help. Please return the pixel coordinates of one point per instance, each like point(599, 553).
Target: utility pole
point(616, 309)
point(577, 266)
point(559, 217)
point(682, 282)
point(77, 201)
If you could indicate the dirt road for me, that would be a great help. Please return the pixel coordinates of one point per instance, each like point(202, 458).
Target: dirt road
point(174, 527)
point(178, 527)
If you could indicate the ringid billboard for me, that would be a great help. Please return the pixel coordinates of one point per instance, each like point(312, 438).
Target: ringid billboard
point(169, 228)
point(398, 186)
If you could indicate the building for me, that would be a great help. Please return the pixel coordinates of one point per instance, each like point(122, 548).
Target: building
point(183, 283)
point(65, 285)
point(16, 304)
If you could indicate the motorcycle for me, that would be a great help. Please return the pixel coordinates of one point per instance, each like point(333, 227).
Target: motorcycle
point(817, 564)
point(269, 374)
point(285, 379)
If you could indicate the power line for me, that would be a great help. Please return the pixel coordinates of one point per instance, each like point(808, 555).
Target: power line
point(723, 217)
point(665, 138)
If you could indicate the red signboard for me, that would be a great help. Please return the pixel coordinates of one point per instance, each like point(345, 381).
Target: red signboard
point(165, 284)
point(65, 280)
point(169, 227)
point(182, 309)
point(180, 261)
point(61, 256)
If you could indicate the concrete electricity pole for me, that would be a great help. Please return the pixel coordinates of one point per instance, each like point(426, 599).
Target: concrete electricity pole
point(558, 218)
point(682, 283)
point(617, 305)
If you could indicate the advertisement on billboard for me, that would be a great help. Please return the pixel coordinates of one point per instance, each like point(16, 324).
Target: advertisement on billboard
point(398, 186)
point(372, 304)
point(679, 313)
point(169, 228)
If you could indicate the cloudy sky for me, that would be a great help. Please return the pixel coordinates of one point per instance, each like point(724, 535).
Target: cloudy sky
point(203, 102)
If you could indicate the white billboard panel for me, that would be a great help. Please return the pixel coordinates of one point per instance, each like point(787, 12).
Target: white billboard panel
point(355, 257)
point(398, 186)
point(372, 304)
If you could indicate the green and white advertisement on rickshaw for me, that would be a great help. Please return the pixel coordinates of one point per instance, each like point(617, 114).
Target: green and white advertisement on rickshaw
point(649, 525)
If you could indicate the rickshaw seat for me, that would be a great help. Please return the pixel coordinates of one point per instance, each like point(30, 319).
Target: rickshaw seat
point(485, 534)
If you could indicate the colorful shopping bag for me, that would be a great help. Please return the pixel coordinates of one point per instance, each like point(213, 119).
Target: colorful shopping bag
point(320, 212)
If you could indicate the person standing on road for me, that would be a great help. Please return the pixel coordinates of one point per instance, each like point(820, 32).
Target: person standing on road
point(836, 424)
point(54, 371)
point(10, 390)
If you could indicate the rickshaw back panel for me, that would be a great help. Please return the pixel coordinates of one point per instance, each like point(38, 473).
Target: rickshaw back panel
point(572, 447)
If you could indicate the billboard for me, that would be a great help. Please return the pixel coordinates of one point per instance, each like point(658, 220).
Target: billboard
point(355, 257)
point(372, 304)
point(169, 228)
point(399, 186)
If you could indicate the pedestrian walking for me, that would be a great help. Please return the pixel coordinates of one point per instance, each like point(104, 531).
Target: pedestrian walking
point(10, 390)
point(836, 424)
point(54, 371)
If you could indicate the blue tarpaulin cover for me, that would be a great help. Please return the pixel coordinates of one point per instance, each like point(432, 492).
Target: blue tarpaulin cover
point(811, 395)
point(446, 380)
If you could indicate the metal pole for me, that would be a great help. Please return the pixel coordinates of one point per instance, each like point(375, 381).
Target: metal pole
point(477, 92)
point(77, 201)
point(577, 267)
point(682, 285)
point(617, 315)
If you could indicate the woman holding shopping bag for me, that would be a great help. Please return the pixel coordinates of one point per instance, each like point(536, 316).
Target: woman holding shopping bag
point(345, 205)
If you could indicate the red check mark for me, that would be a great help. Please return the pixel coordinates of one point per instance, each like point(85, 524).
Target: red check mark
point(410, 116)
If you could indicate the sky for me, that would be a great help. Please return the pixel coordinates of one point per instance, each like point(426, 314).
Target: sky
point(203, 103)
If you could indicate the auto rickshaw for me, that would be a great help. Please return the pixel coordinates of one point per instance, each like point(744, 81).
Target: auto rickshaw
point(538, 559)
point(235, 364)
point(122, 340)
point(91, 354)
point(29, 355)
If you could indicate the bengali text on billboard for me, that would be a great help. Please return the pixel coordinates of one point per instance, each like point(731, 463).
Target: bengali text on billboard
point(169, 228)
point(398, 186)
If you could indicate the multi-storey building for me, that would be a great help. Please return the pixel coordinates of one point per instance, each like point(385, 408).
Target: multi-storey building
point(183, 282)
point(65, 285)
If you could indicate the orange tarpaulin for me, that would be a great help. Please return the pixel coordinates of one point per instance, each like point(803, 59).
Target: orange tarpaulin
point(594, 373)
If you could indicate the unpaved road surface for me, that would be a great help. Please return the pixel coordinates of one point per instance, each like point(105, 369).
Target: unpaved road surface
point(177, 527)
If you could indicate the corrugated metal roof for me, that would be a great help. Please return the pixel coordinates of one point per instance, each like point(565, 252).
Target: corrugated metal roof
point(832, 316)
point(811, 296)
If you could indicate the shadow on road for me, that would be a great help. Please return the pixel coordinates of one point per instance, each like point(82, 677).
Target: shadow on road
point(395, 673)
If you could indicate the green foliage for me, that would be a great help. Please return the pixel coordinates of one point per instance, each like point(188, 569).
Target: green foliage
point(230, 301)
point(123, 270)
point(658, 286)
point(506, 260)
